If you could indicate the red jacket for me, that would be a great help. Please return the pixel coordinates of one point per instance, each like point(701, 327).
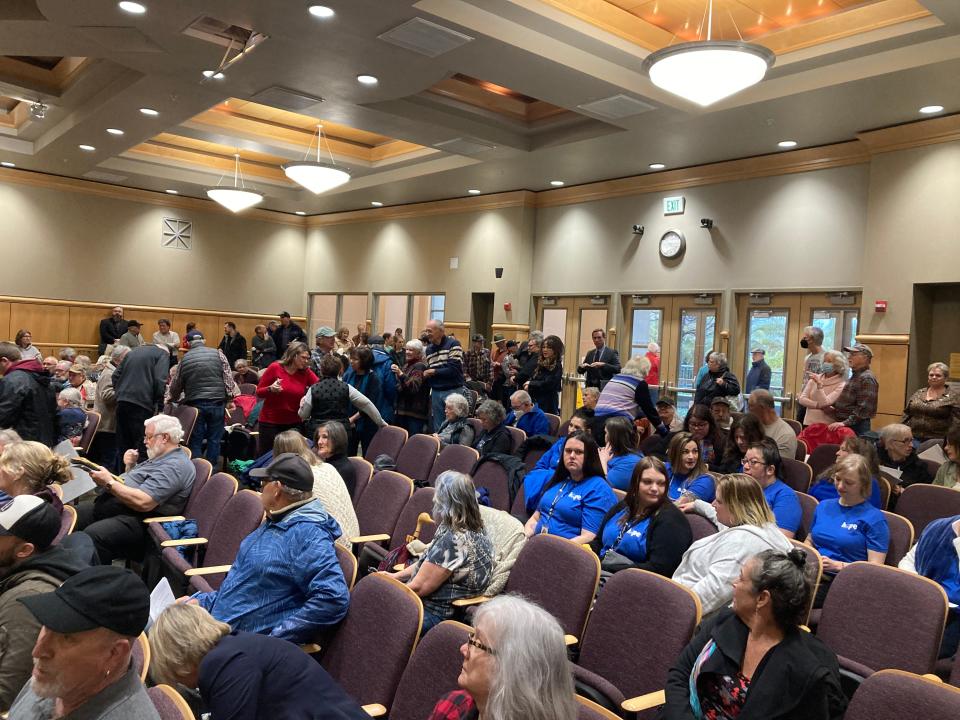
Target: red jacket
point(282, 408)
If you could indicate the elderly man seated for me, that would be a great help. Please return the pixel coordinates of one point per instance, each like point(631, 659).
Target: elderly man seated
point(527, 416)
point(286, 581)
point(158, 486)
point(81, 662)
point(895, 450)
point(762, 406)
point(590, 397)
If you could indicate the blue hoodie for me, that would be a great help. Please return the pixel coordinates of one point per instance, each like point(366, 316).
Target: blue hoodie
point(286, 580)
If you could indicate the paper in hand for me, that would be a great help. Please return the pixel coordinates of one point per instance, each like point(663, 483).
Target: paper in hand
point(160, 599)
point(935, 453)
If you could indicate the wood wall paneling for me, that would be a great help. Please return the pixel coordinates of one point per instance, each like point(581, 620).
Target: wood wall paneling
point(48, 323)
point(890, 357)
point(5, 322)
point(84, 325)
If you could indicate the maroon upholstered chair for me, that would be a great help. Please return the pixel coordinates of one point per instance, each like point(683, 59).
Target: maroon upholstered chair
point(248, 388)
point(348, 565)
point(381, 504)
point(822, 457)
point(477, 427)
point(801, 454)
point(808, 505)
point(374, 643)
point(205, 507)
point(794, 425)
point(453, 457)
point(901, 538)
point(389, 440)
point(203, 470)
point(922, 504)
point(420, 502)
point(955, 672)
point(89, 432)
point(364, 472)
point(187, 415)
point(589, 710)
point(622, 653)
point(519, 507)
point(927, 444)
point(417, 457)
point(700, 526)
point(894, 695)
point(796, 474)
point(868, 623)
point(432, 671)
point(140, 656)
point(554, 421)
point(532, 457)
point(518, 436)
point(169, 704)
point(494, 478)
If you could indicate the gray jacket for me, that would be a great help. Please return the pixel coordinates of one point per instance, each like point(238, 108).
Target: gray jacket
point(125, 699)
point(201, 376)
point(142, 377)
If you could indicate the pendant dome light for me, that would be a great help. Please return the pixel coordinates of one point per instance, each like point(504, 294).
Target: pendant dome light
point(315, 176)
point(235, 198)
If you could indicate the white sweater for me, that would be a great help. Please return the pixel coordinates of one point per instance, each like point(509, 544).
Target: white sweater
point(711, 564)
point(331, 491)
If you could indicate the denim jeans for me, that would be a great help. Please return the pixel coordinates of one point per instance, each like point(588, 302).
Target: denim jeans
point(209, 427)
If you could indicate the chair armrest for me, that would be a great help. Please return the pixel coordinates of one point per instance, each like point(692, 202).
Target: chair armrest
point(184, 541)
point(935, 678)
point(370, 538)
point(569, 640)
point(310, 648)
point(467, 602)
point(398, 567)
point(645, 702)
point(212, 570)
point(254, 433)
point(164, 518)
point(375, 710)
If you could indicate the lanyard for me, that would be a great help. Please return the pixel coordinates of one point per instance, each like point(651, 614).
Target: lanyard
point(623, 531)
point(546, 522)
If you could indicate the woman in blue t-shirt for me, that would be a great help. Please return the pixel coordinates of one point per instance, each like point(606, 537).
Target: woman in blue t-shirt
point(826, 489)
point(536, 479)
point(644, 530)
point(621, 453)
point(848, 529)
point(690, 477)
point(577, 497)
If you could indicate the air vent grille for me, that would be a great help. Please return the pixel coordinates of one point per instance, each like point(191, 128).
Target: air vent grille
point(616, 107)
point(286, 99)
point(425, 37)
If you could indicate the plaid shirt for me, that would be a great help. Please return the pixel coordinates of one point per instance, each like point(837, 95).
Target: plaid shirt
point(858, 399)
point(477, 366)
point(457, 705)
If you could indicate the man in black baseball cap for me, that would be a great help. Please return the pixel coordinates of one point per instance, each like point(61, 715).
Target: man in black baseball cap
point(82, 656)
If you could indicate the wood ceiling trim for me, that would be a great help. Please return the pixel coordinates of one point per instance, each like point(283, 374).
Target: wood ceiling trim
point(17, 117)
point(206, 161)
point(919, 134)
point(621, 23)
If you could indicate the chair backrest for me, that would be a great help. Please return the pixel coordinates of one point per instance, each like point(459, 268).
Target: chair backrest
point(519, 507)
point(494, 478)
point(241, 515)
point(210, 502)
point(867, 619)
point(886, 489)
point(901, 538)
point(814, 568)
point(893, 694)
point(794, 425)
point(420, 502)
point(559, 575)
point(922, 504)
point(476, 425)
point(518, 436)
point(364, 472)
point(432, 671)
point(202, 471)
point(169, 704)
point(933, 467)
point(801, 453)
point(89, 432)
point(68, 521)
point(955, 672)
point(796, 474)
point(187, 415)
point(248, 389)
point(382, 502)
point(808, 505)
point(700, 526)
point(621, 652)
point(927, 444)
point(461, 458)
point(374, 643)
point(389, 440)
point(418, 456)
point(140, 656)
point(822, 457)
point(348, 564)
point(532, 457)
point(589, 710)
point(554, 422)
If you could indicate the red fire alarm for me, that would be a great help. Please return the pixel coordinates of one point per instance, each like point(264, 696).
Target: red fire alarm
point(880, 305)
point(507, 307)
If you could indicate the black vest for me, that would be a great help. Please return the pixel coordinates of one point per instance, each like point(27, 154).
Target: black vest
point(201, 372)
point(329, 400)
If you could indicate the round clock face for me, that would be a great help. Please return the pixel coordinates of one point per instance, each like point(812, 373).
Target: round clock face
point(672, 244)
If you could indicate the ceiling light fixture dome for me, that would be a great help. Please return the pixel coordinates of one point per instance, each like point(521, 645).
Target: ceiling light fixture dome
point(706, 71)
point(234, 198)
point(317, 177)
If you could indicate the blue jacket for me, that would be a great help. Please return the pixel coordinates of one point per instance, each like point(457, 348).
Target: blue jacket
point(388, 383)
point(534, 422)
point(758, 377)
point(286, 580)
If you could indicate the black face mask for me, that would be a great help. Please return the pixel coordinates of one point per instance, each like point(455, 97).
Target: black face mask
point(804, 344)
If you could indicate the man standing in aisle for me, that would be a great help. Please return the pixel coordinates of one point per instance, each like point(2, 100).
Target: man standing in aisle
point(139, 383)
point(858, 399)
point(444, 373)
point(601, 363)
point(286, 333)
point(233, 345)
point(111, 329)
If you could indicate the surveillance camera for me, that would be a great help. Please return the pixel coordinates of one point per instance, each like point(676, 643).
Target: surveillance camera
point(638, 230)
point(706, 223)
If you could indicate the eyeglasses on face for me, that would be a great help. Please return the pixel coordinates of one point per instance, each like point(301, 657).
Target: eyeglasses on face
point(473, 642)
point(753, 462)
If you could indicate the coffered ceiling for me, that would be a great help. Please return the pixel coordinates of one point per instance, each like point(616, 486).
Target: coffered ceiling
point(490, 95)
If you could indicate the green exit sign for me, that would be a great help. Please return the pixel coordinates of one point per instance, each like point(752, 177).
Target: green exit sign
point(673, 205)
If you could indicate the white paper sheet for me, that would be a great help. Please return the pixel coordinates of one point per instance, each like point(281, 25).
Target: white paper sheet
point(160, 599)
point(935, 453)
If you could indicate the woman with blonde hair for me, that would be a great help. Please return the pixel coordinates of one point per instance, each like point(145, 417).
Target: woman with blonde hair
point(242, 674)
point(746, 527)
point(627, 395)
point(28, 468)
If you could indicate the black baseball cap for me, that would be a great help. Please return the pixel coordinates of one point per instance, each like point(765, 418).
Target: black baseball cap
point(666, 401)
point(30, 518)
point(289, 469)
point(133, 323)
point(103, 596)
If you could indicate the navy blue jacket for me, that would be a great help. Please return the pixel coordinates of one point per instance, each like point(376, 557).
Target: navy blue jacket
point(758, 377)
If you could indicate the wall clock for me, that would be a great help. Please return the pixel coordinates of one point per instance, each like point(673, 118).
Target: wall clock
point(672, 245)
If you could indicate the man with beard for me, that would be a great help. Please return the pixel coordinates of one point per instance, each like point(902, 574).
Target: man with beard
point(159, 486)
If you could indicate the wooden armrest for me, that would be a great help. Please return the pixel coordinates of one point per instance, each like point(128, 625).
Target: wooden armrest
point(254, 433)
point(645, 702)
point(310, 648)
point(375, 710)
point(569, 640)
point(164, 518)
point(931, 676)
point(212, 570)
point(398, 567)
point(369, 538)
point(184, 541)
point(467, 602)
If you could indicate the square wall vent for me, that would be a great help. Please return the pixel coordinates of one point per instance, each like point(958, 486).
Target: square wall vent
point(284, 99)
point(219, 32)
point(616, 107)
point(464, 146)
point(425, 37)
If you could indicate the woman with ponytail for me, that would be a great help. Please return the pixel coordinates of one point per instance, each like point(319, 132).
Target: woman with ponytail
point(29, 468)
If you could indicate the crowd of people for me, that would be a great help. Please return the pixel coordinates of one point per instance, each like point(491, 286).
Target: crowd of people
point(621, 477)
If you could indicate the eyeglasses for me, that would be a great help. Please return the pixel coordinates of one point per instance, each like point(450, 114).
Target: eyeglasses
point(902, 441)
point(753, 462)
point(473, 642)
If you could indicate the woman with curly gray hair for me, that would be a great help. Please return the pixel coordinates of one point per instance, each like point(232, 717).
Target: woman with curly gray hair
point(494, 438)
point(514, 666)
point(459, 561)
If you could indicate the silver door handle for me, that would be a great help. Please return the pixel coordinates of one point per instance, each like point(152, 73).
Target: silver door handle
point(671, 388)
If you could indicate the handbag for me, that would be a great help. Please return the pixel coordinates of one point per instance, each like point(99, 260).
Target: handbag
point(401, 555)
point(615, 562)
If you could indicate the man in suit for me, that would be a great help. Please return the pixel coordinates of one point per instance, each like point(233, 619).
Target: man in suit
point(601, 363)
point(112, 328)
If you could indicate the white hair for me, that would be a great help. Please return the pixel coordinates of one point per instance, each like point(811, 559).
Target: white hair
point(458, 403)
point(522, 396)
point(637, 366)
point(166, 425)
point(116, 355)
point(653, 347)
point(71, 396)
point(415, 345)
point(894, 431)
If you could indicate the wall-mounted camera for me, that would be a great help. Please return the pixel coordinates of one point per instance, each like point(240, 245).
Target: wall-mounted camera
point(498, 272)
point(638, 230)
point(706, 223)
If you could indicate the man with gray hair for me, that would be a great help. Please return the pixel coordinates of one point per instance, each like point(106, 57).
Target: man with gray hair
point(104, 449)
point(159, 486)
point(444, 373)
point(812, 342)
point(526, 415)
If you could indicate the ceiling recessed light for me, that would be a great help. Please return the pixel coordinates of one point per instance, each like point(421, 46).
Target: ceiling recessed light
point(931, 109)
point(376, 203)
point(218, 76)
point(172, 192)
point(367, 80)
point(787, 143)
point(473, 192)
point(556, 183)
point(215, 74)
point(321, 11)
point(208, 73)
point(657, 166)
point(115, 131)
point(7, 163)
point(149, 111)
point(87, 148)
point(134, 8)
point(300, 212)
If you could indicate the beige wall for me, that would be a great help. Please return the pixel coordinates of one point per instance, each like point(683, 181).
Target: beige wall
point(80, 246)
